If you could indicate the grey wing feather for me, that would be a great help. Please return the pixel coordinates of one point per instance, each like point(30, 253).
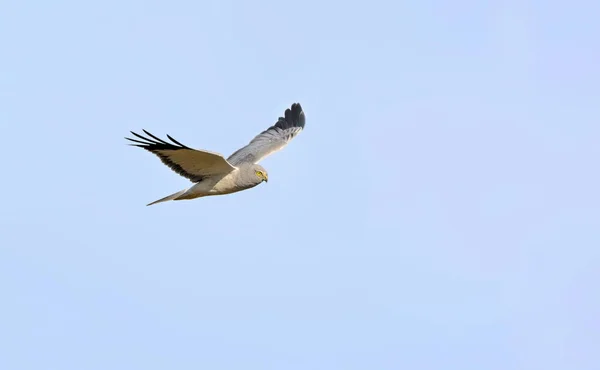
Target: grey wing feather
point(272, 139)
point(192, 164)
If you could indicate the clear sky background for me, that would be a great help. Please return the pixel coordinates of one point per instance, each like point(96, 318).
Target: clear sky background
point(441, 210)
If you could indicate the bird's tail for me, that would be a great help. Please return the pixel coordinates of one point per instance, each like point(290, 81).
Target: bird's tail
point(170, 197)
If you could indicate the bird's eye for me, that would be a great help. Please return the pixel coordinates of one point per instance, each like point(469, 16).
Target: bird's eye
point(259, 174)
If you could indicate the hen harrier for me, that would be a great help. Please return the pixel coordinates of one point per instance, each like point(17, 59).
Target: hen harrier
point(210, 172)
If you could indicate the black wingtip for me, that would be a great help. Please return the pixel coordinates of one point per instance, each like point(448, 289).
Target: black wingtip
point(152, 142)
point(155, 138)
point(177, 142)
point(293, 117)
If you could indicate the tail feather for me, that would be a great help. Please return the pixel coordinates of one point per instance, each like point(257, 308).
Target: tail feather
point(169, 197)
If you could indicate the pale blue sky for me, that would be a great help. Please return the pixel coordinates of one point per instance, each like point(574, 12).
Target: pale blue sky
point(440, 211)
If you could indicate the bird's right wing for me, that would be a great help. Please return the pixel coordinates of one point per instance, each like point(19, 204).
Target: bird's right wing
point(187, 162)
point(272, 139)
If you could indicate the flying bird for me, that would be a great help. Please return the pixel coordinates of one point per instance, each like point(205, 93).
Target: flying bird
point(210, 172)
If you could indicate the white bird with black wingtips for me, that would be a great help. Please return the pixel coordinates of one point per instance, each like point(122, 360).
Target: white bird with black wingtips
point(210, 172)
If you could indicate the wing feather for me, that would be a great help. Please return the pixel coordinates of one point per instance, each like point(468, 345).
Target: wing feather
point(272, 139)
point(192, 164)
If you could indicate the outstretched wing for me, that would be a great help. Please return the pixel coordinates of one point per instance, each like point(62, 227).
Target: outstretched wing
point(272, 139)
point(189, 163)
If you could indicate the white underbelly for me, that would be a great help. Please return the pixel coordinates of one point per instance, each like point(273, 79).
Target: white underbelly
point(213, 186)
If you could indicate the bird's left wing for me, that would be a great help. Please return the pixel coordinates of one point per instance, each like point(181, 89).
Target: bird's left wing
point(190, 163)
point(272, 139)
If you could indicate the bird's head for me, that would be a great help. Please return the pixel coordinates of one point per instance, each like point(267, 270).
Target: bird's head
point(260, 173)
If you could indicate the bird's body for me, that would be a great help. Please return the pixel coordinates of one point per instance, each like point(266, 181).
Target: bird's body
point(214, 185)
point(210, 172)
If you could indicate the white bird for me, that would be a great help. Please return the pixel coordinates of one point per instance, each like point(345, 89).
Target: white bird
point(210, 172)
